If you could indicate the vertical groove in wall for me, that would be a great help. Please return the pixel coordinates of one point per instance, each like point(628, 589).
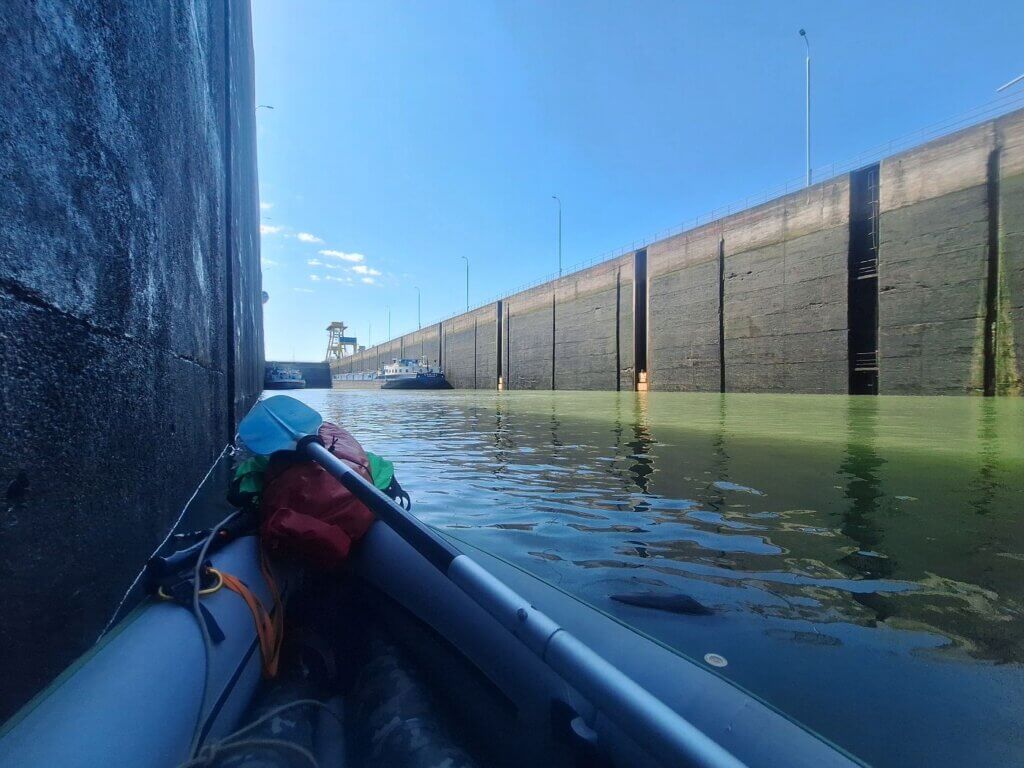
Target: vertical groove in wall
point(618, 320)
point(992, 277)
point(474, 352)
point(229, 271)
point(498, 370)
point(639, 315)
point(440, 354)
point(553, 297)
point(721, 314)
point(862, 282)
point(508, 347)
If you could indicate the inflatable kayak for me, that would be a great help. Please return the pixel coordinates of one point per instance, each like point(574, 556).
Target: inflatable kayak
point(397, 660)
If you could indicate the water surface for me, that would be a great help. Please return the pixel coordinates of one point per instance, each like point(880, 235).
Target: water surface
point(861, 560)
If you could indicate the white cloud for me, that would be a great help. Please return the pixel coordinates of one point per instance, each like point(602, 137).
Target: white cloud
point(266, 206)
point(318, 263)
point(303, 290)
point(308, 238)
point(369, 281)
point(264, 261)
point(347, 280)
point(353, 257)
point(315, 278)
point(362, 269)
point(269, 229)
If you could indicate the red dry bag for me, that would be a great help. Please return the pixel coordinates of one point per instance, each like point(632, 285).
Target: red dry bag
point(309, 515)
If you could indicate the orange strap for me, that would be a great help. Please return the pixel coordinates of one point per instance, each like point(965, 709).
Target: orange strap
point(269, 627)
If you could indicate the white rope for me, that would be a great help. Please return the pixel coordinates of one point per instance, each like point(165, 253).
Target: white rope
point(166, 538)
point(207, 754)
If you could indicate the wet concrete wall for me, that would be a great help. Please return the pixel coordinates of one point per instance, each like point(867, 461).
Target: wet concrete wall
point(469, 349)
point(593, 316)
point(933, 259)
point(951, 263)
point(1009, 342)
point(683, 311)
point(755, 302)
point(129, 298)
point(785, 286)
point(528, 332)
point(921, 291)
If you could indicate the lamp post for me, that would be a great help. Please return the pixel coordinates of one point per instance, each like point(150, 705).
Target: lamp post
point(369, 335)
point(387, 310)
point(556, 199)
point(465, 259)
point(419, 323)
point(803, 34)
point(1013, 82)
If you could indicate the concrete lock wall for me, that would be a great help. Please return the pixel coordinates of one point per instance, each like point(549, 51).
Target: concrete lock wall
point(903, 277)
point(951, 269)
point(129, 298)
point(1009, 314)
point(933, 265)
point(763, 291)
point(785, 286)
point(683, 311)
point(423, 344)
point(469, 346)
point(593, 315)
point(528, 336)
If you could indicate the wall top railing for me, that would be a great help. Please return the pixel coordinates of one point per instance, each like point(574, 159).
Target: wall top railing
point(990, 110)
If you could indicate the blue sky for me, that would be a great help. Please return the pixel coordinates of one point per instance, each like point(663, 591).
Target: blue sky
point(405, 135)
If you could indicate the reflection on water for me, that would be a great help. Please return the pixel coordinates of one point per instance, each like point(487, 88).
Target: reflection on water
point(858, 561)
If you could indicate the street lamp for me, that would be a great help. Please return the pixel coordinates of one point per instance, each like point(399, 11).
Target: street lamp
point(263, 106)
point(465, 259)
point(556, 198)
point(388, 311)
point(1004, 86)
point(419, 323)
point(803, 34)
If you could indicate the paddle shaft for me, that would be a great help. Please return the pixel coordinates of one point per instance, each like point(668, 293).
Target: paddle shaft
point(652, 724)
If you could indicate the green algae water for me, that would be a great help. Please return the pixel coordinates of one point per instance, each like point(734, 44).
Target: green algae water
point(860, 560)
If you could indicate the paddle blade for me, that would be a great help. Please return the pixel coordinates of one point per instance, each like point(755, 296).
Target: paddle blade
point(277, 424)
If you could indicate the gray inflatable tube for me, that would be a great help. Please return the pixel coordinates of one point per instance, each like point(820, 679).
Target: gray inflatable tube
point(134, 699)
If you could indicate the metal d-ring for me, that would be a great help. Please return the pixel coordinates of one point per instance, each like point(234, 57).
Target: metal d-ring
point(207, 591)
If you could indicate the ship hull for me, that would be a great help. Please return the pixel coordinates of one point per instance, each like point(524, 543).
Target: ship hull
point(429, 381)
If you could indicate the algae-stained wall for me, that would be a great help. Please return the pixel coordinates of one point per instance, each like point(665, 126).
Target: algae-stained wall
point(774, 279)
point(1009, 315)
point(129, 298)
point(785, 288)
point(593, 314)
point(683, 311)
point(933, 265)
